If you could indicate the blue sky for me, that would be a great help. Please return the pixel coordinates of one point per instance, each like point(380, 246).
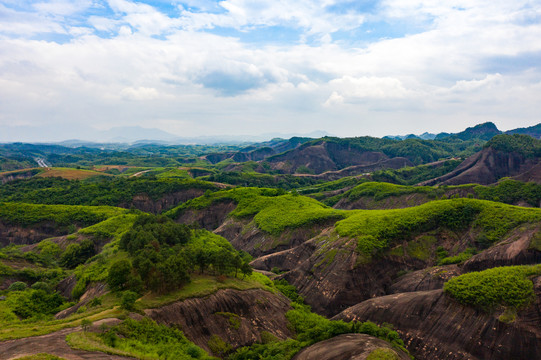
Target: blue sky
point(258, 66)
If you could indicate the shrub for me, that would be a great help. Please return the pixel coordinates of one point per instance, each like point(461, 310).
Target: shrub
point(17, 286)
point(119, 274)
point(40, 285)
point(76, 254)
point(128, 300)
point(501, 286)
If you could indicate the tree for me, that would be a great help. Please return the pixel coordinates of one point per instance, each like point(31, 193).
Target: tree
point(246, 269)
point(119, 274)
point(128, 300)
point(86, 324)
point(76, 254)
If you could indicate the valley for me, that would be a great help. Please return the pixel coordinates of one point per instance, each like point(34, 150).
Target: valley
point(329, 248)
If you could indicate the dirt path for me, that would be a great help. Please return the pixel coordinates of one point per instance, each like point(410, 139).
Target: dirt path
point(140, 173)
point(54, 344)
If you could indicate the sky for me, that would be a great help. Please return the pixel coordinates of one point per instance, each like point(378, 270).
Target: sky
point(235, 67)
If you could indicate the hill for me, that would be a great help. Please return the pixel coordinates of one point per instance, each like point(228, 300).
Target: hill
point(485, 131)
point(515, 156)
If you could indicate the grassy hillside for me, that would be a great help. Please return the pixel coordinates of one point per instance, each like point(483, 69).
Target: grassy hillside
point(272, 210)
point(522, 144)
point(112, 192)
point(376, 230)
point(29, 214)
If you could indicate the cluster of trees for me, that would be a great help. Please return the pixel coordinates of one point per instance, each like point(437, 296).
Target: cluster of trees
point(522, 144)
point(163, 254)
point(261, 180)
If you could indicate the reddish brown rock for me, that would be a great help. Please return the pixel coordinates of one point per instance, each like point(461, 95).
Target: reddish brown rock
point(348, 347)
point(435, 327)
point(237, 317)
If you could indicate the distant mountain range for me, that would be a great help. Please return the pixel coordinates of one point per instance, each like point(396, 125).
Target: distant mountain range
point(485, 131)
point(87, 136)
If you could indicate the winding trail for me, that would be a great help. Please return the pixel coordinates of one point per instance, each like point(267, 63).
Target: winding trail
point(54, 344)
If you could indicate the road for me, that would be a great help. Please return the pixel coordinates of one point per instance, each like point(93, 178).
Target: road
point(41, 162)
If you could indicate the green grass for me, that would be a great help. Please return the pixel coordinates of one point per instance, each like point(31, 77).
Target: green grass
point(142, 339)
point(376, 230)
point(41, 356)
point(274, 215)
point(535, 243)
point(457, 259)
point(113, 227)
point(204, 285)
point(421, 248)
point(502, 286)
point(382, 190)
point(272, 210)
point(382, 354)
point(22, 329)
point(30, 214)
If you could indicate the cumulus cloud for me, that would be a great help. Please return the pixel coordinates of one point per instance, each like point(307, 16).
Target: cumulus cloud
point(261, 66)
point(352, 89)
point(139, 93)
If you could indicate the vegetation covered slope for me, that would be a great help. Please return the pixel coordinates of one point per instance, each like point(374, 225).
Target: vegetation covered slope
point(112, 192)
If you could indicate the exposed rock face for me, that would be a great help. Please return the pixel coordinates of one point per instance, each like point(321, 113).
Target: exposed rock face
point(65, 287)
point(434, 326)
point(18, 235)
point(209, 218)
point(5, 178)
point(237, 317)
point(94, 291)
point(241, 156)
point(330, 156)
point(348, 347)
point(426, 279)
point(487, 167)
point(327, 272)
point(145, 203)
point(516, 250)
point(245, 235)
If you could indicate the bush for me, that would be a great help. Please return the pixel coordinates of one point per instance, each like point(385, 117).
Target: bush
point(32, 303)
point(501, 286)
point(128, 300)
point(77, 254)
point(17, 286)
point(40, 285)
point(119, 274)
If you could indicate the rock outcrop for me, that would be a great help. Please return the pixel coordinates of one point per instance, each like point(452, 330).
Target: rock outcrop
point(145, 203)
point(350, 347)
point(325, 156)
point(210, 217)
point(487, 167)
point(517, 249)
point(237, 317)
point(19, 235)
point(245, 235)
point(434, 326)
point(328, 273)
point(425, 279)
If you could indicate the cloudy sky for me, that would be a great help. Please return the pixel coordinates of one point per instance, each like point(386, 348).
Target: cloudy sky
point(203, 67)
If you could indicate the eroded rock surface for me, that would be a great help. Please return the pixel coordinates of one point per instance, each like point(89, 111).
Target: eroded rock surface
point(237, 317)
point(348, 347)
point(434, 326)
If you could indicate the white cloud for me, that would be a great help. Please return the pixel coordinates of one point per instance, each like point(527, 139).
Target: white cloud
point(139, 93)
point(463, 86)
point(63, 7)
point(151, 65)
point(351, 89)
